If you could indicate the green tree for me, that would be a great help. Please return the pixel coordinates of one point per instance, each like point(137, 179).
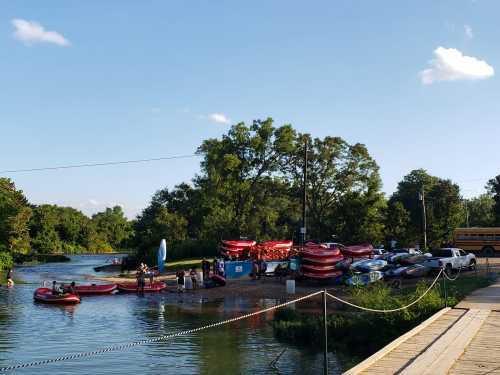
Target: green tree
point(445, 212)
point(481, 211)
point(113, 226)
point(443, 205)
point(14, 217)
point(397, 221)
point(236, 171)
point(152, 225)
point(343, 192)
point(43, 229)
point(493, 188)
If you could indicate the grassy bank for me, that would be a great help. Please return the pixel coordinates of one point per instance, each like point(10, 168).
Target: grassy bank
point(354, 334)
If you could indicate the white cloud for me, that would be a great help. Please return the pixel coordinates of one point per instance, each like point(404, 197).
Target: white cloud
point(31, 32)
point(450, 64)
point(468, 32)
point(219, 118)
point(93, 202)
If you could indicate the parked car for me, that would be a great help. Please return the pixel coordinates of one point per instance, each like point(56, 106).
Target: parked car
point(379, 251)
point(450, 259)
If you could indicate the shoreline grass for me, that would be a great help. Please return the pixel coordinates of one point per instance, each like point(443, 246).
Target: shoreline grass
point(354, 335)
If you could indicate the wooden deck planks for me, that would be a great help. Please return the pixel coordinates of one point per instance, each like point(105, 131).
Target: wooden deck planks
point(482, 356)
point(407, 351)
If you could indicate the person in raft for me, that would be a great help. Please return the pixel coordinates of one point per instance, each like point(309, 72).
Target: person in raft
point(55, 289)
point(180, 281)
point(71, 288)
point(10, 282)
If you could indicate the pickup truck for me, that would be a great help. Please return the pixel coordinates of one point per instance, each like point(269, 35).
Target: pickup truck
point(450, 259)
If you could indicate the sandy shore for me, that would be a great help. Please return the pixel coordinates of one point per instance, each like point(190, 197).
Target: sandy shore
point(265, 288)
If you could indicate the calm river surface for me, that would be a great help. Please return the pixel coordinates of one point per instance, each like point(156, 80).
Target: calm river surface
point(31, 331)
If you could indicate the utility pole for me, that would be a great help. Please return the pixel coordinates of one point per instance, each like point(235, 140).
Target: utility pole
point(466, 213)
point(424, 217)
point(304, 196)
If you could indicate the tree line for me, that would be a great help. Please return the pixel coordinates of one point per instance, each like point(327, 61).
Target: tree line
point(27, 230)
point(250, 185)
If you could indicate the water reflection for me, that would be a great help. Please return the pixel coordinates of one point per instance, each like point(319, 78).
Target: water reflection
point(31, 331)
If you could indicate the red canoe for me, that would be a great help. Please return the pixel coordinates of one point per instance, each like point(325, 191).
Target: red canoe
point(357, 250)
point(323, 275)
point(95, 289)
point(132, 287)
point(45, 295)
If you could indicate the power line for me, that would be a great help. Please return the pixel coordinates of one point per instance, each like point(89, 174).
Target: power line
point(86, 165)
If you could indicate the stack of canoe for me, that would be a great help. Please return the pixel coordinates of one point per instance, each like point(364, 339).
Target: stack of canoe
point(318, 261)
point(237, 249)
point(357, 251)
point(272, 250)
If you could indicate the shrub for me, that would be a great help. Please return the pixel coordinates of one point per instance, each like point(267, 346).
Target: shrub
point(6, 261)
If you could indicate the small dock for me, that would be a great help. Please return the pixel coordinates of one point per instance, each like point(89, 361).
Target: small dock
point(460, 341)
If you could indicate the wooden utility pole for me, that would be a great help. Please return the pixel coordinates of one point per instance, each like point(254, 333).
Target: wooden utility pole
point(424, 217)
point(304, 196)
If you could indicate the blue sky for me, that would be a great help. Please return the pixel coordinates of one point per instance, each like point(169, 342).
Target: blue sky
point(118, 80)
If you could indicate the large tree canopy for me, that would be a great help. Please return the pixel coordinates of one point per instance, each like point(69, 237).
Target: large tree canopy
point(14, 217)
point(250, 185)
point(444, 209)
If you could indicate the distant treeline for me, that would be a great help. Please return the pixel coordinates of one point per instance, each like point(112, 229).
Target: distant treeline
point(28, 231)
point(250, 185)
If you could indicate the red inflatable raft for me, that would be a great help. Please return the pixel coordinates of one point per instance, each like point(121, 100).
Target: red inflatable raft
point(325, 260)
point(219, 280)
point(95, 289)
point(318, 261)
point(357, 250)
point(272, 250)
point(236, 249)
point(319, 252)
point(148, 288)
point(45, 295)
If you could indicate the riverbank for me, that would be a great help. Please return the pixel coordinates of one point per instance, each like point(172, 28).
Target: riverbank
point(354, 334)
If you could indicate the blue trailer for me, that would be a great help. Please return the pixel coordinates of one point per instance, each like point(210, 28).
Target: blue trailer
point(235, 269)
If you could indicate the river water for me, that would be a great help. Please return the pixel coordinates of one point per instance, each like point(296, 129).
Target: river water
point(32, 331)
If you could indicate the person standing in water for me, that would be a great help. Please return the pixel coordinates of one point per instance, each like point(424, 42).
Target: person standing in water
point(10, 282)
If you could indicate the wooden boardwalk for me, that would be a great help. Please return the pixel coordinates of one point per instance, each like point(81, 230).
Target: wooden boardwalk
point(456, 341)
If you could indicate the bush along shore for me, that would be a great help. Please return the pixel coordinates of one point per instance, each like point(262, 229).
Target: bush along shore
point(354, 334)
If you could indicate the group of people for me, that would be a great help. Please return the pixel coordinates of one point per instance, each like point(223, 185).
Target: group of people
point(63, 289)
point(216, 267)
point(143, 271)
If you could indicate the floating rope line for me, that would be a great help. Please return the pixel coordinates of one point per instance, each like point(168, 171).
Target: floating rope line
point(120, 347)
point(390, 310)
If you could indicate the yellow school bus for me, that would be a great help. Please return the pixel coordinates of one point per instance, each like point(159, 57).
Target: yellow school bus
point(485, 241)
